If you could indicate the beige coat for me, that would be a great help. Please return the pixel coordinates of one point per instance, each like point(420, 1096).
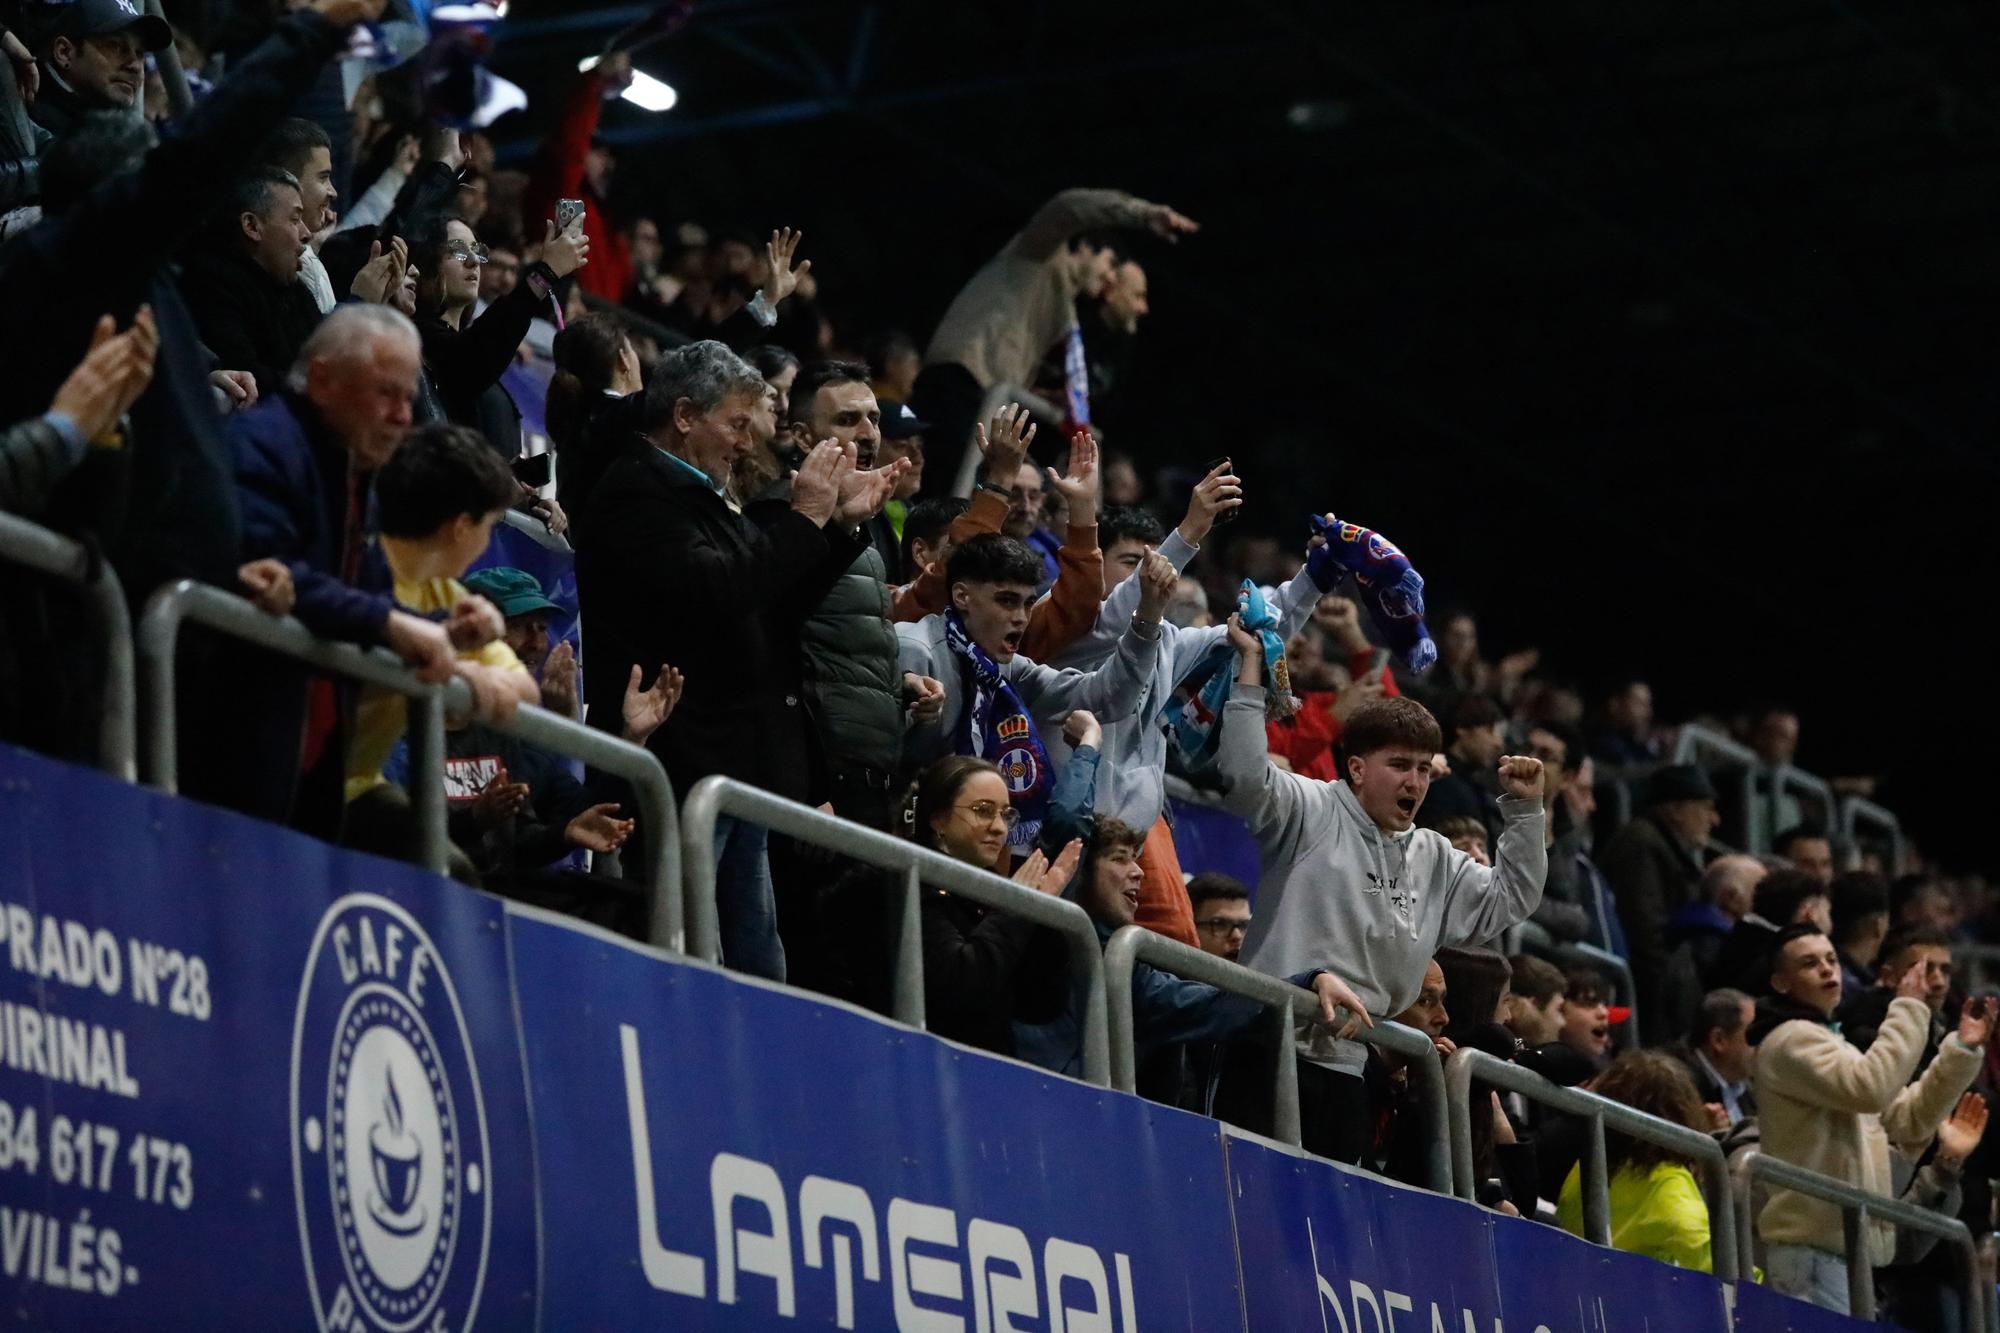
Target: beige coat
point(1830, 1108)
point(1024, 300)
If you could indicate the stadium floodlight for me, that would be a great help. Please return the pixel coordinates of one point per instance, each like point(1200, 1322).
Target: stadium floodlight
point(645, 92)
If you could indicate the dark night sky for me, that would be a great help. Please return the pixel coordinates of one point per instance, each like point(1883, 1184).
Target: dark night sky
point(1661, 334)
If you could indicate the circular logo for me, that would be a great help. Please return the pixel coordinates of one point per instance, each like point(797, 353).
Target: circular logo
point(1019, 770)
point(388, 1130)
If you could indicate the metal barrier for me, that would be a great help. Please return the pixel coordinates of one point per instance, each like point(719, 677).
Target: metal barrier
point(1785, 780)
point(1857, 1208)
point(31, 544)
point(715, 797)
point(159, 634)
point(1134, 944)
point(1535, 940)
point(1696, 744)
point(1465, 1064)
point(1855, 812)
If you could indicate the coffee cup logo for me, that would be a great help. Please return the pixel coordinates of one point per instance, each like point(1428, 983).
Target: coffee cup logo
point(389, 1153)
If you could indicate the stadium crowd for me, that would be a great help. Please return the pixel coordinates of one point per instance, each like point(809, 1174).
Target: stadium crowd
point(221, 369)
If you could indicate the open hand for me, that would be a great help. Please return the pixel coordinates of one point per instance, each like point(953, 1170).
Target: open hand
point(1335, 994)
point(784, 279)
point(1975, 1021)
point(863, 491)
point(817, 481)
point(598, 829)
point(559, 680)
point(498, 801)
point(268, 585)
point(1005, 446)
point(1044, 876)
point(1961, 1132)
point(645, 711)
point(1079, 484)
point(111, 376)
point(1520, 775)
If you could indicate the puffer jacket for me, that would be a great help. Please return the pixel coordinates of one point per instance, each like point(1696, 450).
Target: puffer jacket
point(847, 647)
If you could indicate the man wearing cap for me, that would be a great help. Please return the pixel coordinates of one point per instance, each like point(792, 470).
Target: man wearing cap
point(528, 612)
point(93, 58)
point(1654, 864)
point(902, 437)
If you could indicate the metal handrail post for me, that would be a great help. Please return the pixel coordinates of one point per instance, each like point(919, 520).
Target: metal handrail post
point(426, 736)
point(1856, 811)
point(1132, 945)
point(1697, 741)
point(1464, 1064)
point(1286, 1121)
point(714, 797)
point(227, 614)
point(1858, 1207)
point(1860, 1271)
point(39, 548)
point(909, 999)
point(1596, 1182)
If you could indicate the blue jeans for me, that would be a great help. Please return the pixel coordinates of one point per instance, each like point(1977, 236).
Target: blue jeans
point(744, 907)
point(1812, 1275)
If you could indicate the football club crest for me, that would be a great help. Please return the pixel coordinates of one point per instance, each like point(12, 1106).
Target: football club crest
point(390, 1160)
point(1019, 769)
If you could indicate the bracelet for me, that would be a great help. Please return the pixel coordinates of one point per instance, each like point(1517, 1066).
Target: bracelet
point(1000, 491)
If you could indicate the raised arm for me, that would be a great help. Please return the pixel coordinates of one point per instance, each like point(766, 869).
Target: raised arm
point(1819, 1066)
point(1481, 901)
point(1081, 210)
point(1114, 689)
point(1273, 802)
point(1917, 1111)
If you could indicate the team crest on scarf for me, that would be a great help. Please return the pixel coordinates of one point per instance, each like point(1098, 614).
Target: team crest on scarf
point(995, 726)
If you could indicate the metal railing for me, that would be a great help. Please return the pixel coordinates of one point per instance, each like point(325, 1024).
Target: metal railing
point(1857, 1208)
point(1857, 812)
point(1785, 781)
point(1284, 1002)
point(1533, 939)
point(1466, 1064)
point(31, 544)
point(224, 613)
point(712, 798)
point(1696, 744)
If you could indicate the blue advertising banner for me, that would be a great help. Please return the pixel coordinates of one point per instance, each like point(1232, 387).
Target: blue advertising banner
point(247, 1080)
point(723, 1155)
point(1761, 1310)
point(1342, 1250)
point(1208, 839)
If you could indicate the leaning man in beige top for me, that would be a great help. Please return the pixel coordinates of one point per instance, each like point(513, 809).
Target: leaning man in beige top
point(1836, 1110)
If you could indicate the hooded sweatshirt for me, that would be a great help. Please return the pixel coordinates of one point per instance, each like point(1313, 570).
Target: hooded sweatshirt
point(1372, 907)
point(1830, 1108)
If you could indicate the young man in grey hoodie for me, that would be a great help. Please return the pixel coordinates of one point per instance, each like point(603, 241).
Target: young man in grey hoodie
point(1351, 883)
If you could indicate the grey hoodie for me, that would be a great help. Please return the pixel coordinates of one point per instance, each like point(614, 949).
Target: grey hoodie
point(1371, 907)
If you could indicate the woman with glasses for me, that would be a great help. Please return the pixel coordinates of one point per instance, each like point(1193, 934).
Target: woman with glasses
point(464, 358)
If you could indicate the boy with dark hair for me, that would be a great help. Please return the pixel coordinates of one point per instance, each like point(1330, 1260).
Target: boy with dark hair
point(1860, 925)
point(437, 501)
point(1350, 879)
point(1475, 741)
point(996, 701)
point(1221, 906)
point(1586, 1025)
point(1535, 1000)
point(924, 529)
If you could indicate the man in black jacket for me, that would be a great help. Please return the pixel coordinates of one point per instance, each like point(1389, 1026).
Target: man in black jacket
point(87, 258)
point(93, 58)
point(243, 286)
point(1654, 864)
point(669, 572)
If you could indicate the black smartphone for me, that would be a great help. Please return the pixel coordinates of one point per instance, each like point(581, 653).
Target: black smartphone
point(534, 469)
point(1227, 515)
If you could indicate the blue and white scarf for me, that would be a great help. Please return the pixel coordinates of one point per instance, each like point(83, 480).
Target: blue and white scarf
point(995, 726)
point(1193, 715)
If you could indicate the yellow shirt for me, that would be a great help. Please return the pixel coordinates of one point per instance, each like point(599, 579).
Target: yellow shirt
point(382, 715)
point(1660, 1214)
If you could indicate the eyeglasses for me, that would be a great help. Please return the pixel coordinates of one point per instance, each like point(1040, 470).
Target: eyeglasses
point(476, 253)
point(984, 812)
point(1223, 924)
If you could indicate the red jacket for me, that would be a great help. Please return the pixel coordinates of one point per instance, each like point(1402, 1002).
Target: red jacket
point(1307, 739)
point(558, 174)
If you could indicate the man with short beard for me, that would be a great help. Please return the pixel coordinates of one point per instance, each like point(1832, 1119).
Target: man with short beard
point(93, 58)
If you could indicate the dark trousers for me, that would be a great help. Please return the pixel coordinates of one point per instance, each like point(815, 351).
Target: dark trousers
point(1333, 1108)
point(948, 398)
